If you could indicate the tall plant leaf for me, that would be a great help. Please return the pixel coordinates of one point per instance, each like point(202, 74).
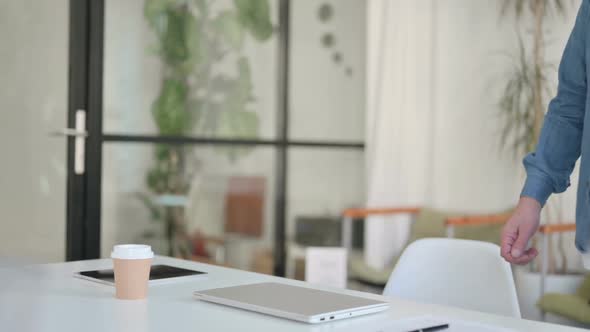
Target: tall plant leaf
point(518, 7)
point(254, 15)
point(227, 23)
point(170, 109)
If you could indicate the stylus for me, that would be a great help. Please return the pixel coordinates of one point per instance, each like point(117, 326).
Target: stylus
point(432, 328)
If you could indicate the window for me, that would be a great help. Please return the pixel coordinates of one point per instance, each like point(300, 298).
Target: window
point(215, 156)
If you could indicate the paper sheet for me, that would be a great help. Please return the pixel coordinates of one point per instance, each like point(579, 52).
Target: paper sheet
point(416, 323)
point(326, 266)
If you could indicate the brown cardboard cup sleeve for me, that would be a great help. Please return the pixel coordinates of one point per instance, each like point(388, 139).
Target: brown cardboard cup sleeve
point(132, 264)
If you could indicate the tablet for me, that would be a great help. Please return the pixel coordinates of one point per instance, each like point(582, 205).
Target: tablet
point(158, 274)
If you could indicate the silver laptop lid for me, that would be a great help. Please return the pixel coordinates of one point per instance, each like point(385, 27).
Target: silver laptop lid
point(291, 299)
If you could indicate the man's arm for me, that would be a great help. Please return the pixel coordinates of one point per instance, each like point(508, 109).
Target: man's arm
point(549, 167)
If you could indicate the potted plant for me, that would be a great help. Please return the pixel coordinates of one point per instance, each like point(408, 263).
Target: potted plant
point(522, 105)
point(193, 41)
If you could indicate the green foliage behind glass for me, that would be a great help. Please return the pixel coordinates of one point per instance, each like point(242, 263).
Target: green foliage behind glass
point(194, 39)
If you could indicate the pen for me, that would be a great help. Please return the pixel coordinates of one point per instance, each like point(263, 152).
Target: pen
point(432, 328)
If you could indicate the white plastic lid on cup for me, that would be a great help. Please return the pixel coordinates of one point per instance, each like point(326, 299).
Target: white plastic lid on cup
point(132, 251)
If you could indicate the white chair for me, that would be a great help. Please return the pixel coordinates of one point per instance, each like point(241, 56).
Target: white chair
point(461, 273)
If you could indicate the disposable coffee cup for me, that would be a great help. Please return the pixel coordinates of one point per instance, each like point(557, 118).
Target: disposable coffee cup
point(132, 264)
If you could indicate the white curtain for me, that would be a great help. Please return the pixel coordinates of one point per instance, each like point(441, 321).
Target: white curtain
point(399, 125)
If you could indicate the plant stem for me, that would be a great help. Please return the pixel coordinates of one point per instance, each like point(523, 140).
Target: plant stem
point(169, 231)
point(538, 58)
point(560, 240)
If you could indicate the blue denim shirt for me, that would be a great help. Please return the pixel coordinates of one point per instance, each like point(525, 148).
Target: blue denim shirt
point(566, 132)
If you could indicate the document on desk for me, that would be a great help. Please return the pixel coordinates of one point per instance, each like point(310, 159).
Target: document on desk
point(424, 322)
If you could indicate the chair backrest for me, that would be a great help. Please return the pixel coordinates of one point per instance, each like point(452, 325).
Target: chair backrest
point(461, 273)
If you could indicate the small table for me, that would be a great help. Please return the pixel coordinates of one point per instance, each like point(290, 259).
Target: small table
point(47, 298)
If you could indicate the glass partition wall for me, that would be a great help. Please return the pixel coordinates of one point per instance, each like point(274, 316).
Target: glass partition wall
point(225, 123)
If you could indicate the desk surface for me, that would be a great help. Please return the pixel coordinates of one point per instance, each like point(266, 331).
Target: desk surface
point(48, 298)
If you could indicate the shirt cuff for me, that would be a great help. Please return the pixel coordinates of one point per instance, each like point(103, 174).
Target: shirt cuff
point(538, 188)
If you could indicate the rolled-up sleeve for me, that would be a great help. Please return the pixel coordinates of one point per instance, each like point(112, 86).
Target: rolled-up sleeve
point(550, 166)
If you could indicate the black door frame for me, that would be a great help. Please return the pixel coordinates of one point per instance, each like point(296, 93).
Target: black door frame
point(85, 93)
point(85, 86)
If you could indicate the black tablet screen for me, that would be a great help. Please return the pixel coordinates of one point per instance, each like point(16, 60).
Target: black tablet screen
point(157, 272)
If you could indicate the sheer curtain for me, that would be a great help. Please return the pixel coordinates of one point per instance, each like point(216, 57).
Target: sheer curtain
point(400, 47)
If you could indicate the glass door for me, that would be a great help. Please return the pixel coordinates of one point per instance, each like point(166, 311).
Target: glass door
point(33, 103)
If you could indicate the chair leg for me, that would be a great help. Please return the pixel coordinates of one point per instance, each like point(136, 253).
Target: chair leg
point(544, 267)
point(544, 262)
point(347, 233)
point(450, 232)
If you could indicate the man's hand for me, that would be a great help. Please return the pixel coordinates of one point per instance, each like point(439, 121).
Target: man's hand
point(519, 229)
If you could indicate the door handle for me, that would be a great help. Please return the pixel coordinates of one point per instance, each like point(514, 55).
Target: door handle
point(79, 133)
point(70, 132)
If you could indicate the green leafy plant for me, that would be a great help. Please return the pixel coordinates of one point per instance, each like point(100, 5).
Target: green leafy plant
point(527, 90)
point(193, 41)
point(519, 102)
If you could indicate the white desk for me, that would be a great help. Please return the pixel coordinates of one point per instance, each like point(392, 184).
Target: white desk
point(48, 298)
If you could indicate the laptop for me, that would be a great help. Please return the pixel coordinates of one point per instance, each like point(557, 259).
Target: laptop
point(293, 302)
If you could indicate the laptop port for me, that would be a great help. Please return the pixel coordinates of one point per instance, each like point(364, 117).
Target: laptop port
point(331, 317)
point(324, 318)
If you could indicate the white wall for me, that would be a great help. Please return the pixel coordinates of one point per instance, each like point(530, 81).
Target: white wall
point(33, 102)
